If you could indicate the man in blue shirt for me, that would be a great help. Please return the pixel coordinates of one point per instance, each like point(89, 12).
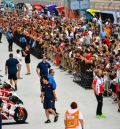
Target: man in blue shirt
point(12, 66)
point(42, 69)
point(48, 97)
point(102, 34)
point(53, 83)
point(9, 37)
point(51, 78)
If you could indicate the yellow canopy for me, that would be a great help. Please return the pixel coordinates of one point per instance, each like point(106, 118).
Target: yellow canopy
point(93, 11)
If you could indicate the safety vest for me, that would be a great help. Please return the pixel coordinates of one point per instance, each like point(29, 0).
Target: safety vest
point(72, 120)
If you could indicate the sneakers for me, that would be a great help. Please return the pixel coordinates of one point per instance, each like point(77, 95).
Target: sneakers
point(48, 121)
point(97, 116)
point(101, 116)
point(56, 118)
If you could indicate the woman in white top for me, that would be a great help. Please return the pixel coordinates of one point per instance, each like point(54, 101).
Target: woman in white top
point(19, 58)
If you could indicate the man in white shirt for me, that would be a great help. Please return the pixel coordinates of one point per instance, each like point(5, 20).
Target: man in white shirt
point(19, 58)
point(74, 118)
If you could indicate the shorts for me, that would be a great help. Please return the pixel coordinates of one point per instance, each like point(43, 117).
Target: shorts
point(119, 95)
point(12, 76)
point(27, 61)
point(113, 87)
point(48, 104)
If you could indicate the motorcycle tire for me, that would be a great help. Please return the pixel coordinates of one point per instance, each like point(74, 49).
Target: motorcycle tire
point(17, 116)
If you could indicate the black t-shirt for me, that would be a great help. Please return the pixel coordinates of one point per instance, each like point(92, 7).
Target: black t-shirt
point(48, 91)
point(12, 65)
point(43, 68)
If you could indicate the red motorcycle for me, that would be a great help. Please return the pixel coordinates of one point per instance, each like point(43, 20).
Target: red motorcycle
point(13, 107)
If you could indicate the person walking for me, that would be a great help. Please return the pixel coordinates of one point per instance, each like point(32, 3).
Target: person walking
point(42, 69)
point(98, 86)
point(19, 58)
point(1, 31)
point(11, 67)
point(26, 53)
point(48, 97)
point(9, 37)
point(53, 82)
point(74, 118)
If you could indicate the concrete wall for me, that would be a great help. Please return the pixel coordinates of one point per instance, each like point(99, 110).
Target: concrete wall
point(58, 2)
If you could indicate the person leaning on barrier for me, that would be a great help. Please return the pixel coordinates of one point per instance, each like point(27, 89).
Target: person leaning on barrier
point(74, 118)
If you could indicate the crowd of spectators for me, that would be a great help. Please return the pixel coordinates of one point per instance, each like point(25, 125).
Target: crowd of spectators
point(75, 45)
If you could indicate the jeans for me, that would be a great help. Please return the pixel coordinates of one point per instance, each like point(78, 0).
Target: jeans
point(0, 36)
point(10, 46)
point(0, 121)
point(100, 104)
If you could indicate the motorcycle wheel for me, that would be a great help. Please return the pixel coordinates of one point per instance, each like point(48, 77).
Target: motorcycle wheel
point(20, 118)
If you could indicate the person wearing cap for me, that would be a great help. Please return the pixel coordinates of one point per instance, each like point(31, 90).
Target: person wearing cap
point(74, 118)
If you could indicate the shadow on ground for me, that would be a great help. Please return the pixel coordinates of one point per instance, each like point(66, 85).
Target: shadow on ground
point(13, 123)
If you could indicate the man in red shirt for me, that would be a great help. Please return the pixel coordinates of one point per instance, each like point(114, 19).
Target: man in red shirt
point(107, 41)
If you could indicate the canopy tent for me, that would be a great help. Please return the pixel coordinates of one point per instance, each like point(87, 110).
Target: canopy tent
point(105, 15)
point(60, 9)
point(38, 7)
point(51, 7)
point(93, 11)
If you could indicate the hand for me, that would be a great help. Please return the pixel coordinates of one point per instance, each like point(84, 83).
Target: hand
point(42, 100)
point(96, 93)
point(55, 98)
point(5, 73)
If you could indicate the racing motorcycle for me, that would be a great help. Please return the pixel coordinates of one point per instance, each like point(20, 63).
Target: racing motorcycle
point(13, 107)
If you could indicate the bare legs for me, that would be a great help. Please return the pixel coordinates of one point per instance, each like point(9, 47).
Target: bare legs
point(28, 68)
